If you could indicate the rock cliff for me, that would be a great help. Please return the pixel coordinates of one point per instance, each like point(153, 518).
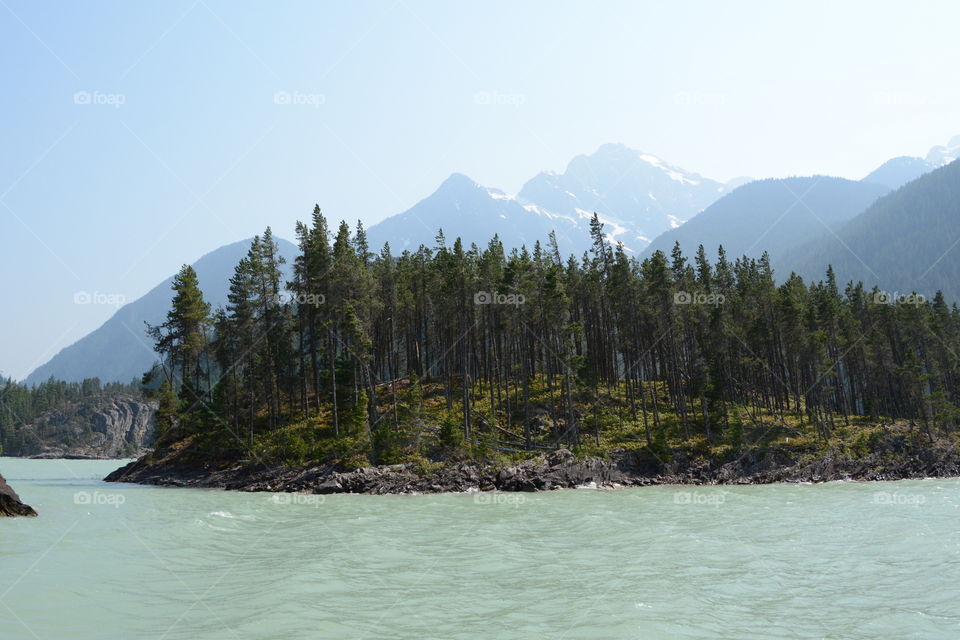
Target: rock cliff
point(106, 426)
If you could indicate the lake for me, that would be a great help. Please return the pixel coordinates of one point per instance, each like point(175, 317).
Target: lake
point(836, 560)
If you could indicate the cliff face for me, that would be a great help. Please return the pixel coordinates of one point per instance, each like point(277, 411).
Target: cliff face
point(108, 426)
point(10, 504)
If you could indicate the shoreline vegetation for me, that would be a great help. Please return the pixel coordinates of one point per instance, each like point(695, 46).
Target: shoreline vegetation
point(453, 368)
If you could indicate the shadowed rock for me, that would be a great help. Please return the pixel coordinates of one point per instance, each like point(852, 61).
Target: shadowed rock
point(10, 504)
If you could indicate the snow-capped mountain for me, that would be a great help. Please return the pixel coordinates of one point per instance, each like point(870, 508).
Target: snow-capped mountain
point(943, 155)
point(636, 195)
point(467, 210)
point(897, 172)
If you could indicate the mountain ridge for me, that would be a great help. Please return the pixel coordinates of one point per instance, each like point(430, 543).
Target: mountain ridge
point(116, 350)
point(901, 243)
point(770, 215)
point(635, 194)
point(898, 171)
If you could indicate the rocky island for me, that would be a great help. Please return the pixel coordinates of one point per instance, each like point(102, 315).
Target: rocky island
point(456, 369)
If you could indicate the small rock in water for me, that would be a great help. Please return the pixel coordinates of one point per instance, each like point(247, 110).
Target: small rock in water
point(10, 504)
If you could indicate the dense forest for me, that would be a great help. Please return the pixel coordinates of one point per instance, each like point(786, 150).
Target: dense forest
point(380, 358)
point(20, 405)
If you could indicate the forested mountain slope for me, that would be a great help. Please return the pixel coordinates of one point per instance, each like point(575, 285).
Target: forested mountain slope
point(771, 215)
point(905, 242)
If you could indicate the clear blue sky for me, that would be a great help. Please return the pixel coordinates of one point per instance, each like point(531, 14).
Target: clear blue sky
point(112, 198)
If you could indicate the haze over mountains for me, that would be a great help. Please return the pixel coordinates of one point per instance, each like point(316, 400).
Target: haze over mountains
point(867, 229)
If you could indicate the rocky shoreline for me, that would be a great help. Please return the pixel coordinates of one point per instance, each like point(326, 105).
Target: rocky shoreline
point(558, 469)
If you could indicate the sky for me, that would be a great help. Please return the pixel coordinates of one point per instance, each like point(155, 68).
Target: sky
point(137, 137)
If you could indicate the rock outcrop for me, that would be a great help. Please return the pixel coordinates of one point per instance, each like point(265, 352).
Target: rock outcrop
point(10, 504)
point(106, 426)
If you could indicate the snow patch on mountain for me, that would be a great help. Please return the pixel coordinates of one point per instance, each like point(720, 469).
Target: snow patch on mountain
point(674, 173)
point(942, 155)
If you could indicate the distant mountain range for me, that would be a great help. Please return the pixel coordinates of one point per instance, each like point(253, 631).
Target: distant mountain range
point(637, 196)
point(771, 215)
point(902, 240)
point(644, 202)
point(899, 171)
point(464, 209)
point(119, 350)
point(905, 242)
point(790, 217)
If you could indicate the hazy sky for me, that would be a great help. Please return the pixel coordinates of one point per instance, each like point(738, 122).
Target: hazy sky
point(137, 136)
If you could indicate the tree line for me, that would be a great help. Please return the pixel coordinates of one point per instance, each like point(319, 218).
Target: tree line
point(541, 349)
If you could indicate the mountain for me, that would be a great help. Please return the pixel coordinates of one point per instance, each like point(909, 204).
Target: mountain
point(119, 350)
point(940, 156)
point(899, 171)
point(637, 196)
point(905, 242)
point(771, 215)
point(465, 209)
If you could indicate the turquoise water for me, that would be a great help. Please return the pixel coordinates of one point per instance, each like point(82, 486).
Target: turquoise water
point(839, 560)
